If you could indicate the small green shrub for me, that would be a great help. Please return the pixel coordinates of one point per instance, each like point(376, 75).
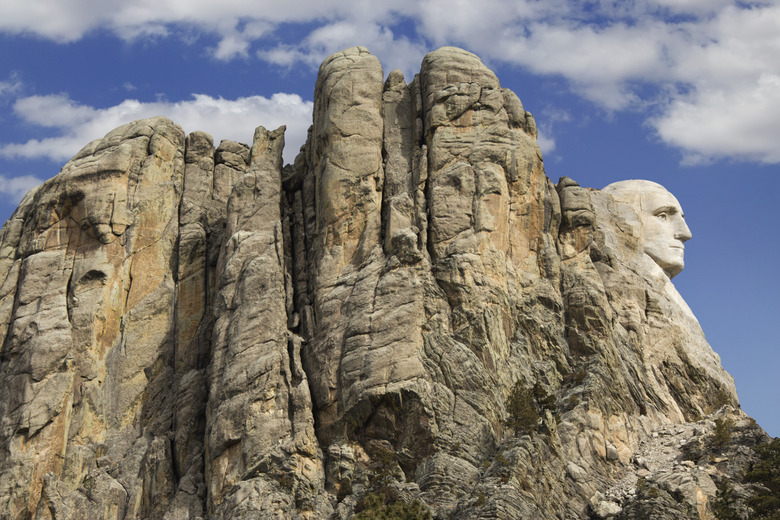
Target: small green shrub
point(286, 481)
point(721, 398)
point(722, 433)
point(542, 399)
point(522, 414)
point(575, 378)
point(525, 407)
point(766, 472)
point(645, 490)
point(345, 489)
point(723, 506)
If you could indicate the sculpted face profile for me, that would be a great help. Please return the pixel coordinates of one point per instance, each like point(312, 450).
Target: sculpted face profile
point(664, 230)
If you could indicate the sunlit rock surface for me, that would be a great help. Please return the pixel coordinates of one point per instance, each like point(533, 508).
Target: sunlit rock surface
point(201, 332)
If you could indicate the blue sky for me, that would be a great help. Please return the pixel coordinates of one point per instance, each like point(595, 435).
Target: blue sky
point(682, 92)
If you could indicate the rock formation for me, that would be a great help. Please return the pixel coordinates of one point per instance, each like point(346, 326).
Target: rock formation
point(192, 332)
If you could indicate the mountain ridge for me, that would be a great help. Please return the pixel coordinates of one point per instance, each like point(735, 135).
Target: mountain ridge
point(201, 332)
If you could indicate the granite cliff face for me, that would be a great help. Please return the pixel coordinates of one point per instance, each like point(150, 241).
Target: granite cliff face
point(192, 332)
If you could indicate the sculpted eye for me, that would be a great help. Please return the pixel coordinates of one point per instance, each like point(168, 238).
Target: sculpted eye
point(665, 212)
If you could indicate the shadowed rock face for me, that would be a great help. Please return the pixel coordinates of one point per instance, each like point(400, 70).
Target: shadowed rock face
point(192, 332)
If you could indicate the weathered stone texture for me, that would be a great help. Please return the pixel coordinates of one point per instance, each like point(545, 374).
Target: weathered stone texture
point(89, 345)
point(262, 452)
point(201, 332)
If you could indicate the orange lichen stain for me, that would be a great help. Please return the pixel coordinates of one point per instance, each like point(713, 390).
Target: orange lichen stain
point(583, 236)
point(148, 229)
point(59, 235)
point(49, 445)
point(107, 330)
point(496, 209)
point(148, 270)
point(464, 123)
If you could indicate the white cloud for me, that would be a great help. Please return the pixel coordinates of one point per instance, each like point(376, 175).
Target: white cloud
point(714, 123)
point(669, 58)
point(236, 22)
point(14, 188)
point(546, 142)
point(222, 118)
point(236, 41)
point(231, 46)
point(10, 86)
point(693, 6)
point(283, 54)
point(393, 51)
point(60, 21)
point(53, 111)
point(601, 63)
point(729, 103)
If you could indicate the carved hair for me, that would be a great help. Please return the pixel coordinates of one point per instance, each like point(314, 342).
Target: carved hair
point(630, 191)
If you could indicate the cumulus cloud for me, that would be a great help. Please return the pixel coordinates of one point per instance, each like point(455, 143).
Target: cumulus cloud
point(394, 51)
point(674, 60)
point(546, 141)
point(12, 189)
point(223, 118)
point(712, 123)
point(235, 41)
point(237, 22)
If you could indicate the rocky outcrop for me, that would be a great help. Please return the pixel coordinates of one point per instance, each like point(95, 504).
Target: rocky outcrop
point(192, 332)
point(89, 298)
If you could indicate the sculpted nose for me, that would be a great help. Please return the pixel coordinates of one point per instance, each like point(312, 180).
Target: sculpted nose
point(682, 233)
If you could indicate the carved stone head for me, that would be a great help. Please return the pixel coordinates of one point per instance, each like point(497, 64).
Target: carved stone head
point(664, 230)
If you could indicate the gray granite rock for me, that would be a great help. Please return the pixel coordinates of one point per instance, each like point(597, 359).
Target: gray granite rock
point(201, 332)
